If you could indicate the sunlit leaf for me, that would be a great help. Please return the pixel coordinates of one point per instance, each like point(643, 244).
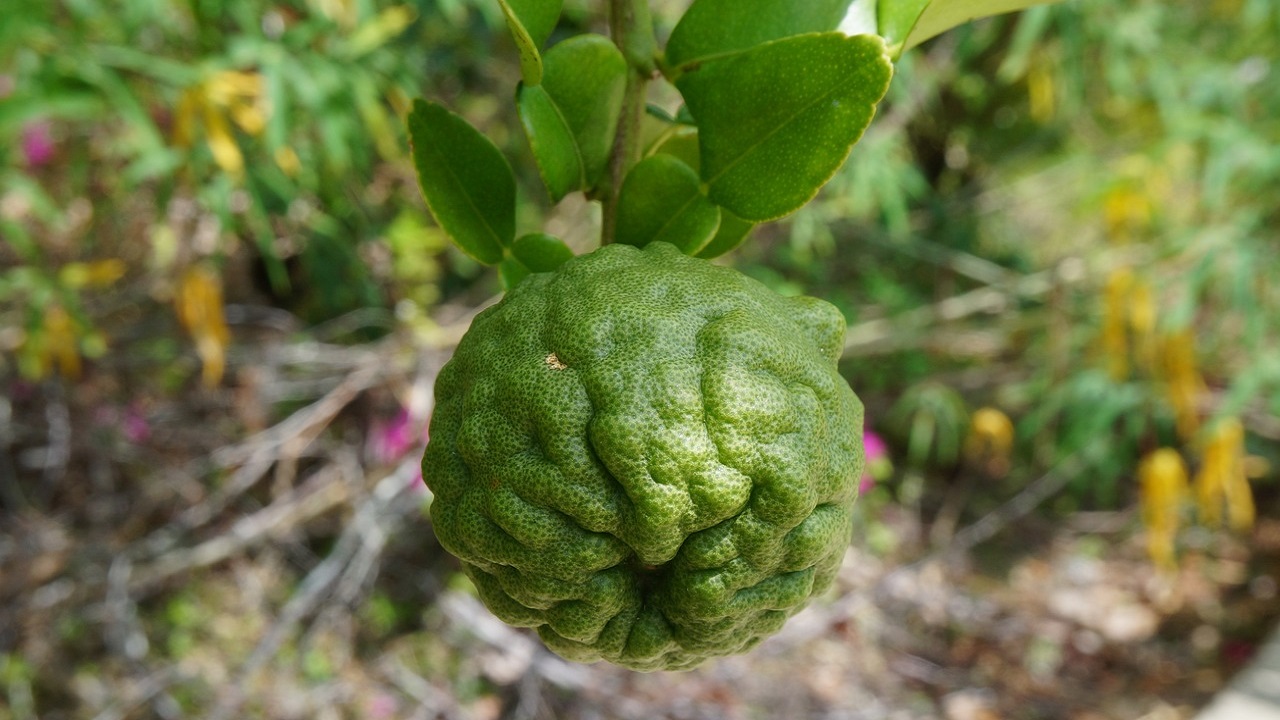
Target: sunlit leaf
point(777, 121)
point(712, 28)
point(661, 200)
point(732, 232)
point(896, 18)
point(468, 184)
point(531, 23)
point(381, 29)
point(911, 22)
point(538, 17)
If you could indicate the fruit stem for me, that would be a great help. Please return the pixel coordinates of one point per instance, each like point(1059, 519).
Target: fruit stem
point(631, 27)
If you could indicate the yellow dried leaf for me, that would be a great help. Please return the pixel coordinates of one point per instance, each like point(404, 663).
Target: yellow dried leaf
point(1126, 212)
point(59, 346)
point(1041, 92)
point(97, 274)
point(343, 12)
point(1142, 321)
point(200, 310)
point(225, 87)
point(1184, 386)
point(1115, 336)
point(990, 440)
point(250, 116)
point(288, 161)
point(1163, 478)
point(990, 432)
point(226, 153)
point(187, 116)
point(1223, 481)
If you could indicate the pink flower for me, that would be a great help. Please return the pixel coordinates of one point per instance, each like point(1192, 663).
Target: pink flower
point(382, 706)
point(388, 441)
point(879, 466)
point(130, 422)
point(874, 446)
point(37, 144)
point(135, 426)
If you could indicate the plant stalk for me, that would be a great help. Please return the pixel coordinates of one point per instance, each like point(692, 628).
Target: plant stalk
point(631, 28)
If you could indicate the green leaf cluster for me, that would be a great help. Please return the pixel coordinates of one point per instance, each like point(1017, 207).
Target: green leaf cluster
point(775, 100)
point(775, 95)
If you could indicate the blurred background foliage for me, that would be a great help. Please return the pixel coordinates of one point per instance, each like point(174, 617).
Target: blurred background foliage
point(1056, 246)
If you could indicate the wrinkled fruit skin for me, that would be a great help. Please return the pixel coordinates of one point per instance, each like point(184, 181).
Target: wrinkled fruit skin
point(650, 459)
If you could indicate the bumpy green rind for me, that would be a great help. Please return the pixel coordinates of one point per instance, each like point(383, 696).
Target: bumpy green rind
point(650, 459)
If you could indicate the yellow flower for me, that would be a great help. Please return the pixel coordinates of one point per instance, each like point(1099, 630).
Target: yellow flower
point(1128, 323)
point(287, 160)
point(208, 104)
point(1041, 92)
point(199, 309)
point(1184, 386)
point(1163, 477)
point(990, 439)
point(1142, 321)
point(1115, 320)
point(1126, 212)
point(98, 274)
point(1223, 478)
point(59, 343)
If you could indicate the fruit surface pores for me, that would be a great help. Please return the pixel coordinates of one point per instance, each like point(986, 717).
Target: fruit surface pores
point(650, 459)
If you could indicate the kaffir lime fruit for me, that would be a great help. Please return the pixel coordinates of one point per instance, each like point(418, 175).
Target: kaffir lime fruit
point(649, 458)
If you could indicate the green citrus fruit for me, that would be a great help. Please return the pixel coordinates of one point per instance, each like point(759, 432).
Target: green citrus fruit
point(650, 459)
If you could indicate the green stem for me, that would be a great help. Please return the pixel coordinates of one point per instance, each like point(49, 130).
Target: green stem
point(632, 29)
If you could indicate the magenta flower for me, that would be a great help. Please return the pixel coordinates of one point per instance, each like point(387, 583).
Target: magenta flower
point(37, 144)
point(874, 446)
point(135, 426)
point(382, 706)
point(879, 466)
point(128, 422)
point(390, 441)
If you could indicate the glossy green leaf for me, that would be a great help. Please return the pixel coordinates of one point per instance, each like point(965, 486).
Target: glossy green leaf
point(681, 143)
point(732, 231)
point(661, 200)
point(777, 121)
point(539, 17)
point(540, 252)
point(714, 28)
point(531, 23)
point(911, 22)
point(895, 18)
point(554, 148)
point(468, 184)
point(571, 117)
point(511, 271)
point(586, 76)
